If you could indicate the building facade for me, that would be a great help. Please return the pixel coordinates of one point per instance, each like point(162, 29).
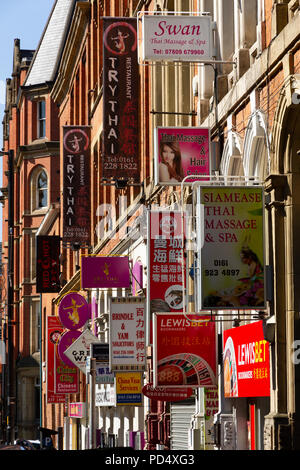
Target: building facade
point(247, 95)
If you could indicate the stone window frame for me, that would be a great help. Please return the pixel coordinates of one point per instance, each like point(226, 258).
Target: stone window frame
point(34, 193)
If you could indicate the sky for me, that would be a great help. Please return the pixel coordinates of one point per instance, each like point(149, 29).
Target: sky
point(24, 20)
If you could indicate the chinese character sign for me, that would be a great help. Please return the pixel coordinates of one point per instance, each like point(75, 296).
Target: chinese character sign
point(180, 152)
point(76, 184)
point(166, 265)
point(184, 350)
point(246, 361)
point(120, 99)
point(232, 247)
point(127, 334)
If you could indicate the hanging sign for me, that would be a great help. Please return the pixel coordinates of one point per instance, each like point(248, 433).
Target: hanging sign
point(231, 247)
point(54, 333)
point(246, 362)
point(105, 396)
point(166, 265)
point(120, 99)
point(47, 264)
point(76, 184)
point(79, 350)
point(77, 410)
point(66, 340)
point(184, 350)
point(73, 311)
point(128, 388)
point(127, 334)
point(176, 38)
point(105, 272)
point(171, 394)
point(180, 152)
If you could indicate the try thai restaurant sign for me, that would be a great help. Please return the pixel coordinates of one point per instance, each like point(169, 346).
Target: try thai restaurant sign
point(246, 361)
point(184, 350)
point(180, 152)
point(76, 184)
point(176, 38)
point(231, 247)
point(120, 99)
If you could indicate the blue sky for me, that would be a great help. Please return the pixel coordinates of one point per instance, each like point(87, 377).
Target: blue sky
point(24, 20)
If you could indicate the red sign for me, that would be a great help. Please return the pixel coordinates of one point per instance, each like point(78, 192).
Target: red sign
point(166, 261)
point(120, 99)
point(184, 350)
point(166, 394)
point(54, 332)
point(47, 263)
point(246, 362)
point(76, 185)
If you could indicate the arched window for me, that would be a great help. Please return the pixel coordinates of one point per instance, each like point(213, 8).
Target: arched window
point(39, 189)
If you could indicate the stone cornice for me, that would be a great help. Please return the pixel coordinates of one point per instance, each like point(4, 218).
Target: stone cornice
point(70, 51)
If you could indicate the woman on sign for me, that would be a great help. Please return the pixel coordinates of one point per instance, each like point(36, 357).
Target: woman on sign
point(170, 169)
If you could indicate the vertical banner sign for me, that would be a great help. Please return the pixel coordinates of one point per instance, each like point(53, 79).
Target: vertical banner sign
point(127, 334)
point(184, 350)
point(246, 362)
point(120, 99)
point(47, 264)
point(231, 239)
point(54, 333)
point(166, 279)
point(180, 152)
point(76, 184)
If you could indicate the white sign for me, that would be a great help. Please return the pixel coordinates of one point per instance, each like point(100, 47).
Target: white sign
point(105, 396)
point(127, 350)
point(177, 38)
point(80, 349)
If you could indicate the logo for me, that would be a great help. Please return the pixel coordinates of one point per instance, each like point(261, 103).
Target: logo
point(120, 38)
point(76, 141)
point(168, 224)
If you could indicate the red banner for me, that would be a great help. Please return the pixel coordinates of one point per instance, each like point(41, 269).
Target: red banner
point(184, 350)
point(246, 362)
point(54, 332)
point(47, 263)
point(166, 264)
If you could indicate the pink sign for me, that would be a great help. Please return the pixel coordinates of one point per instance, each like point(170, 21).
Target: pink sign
point(77, 410)
point(104, 272)
point(73, 311)
point(65, 342)
point(180, 152)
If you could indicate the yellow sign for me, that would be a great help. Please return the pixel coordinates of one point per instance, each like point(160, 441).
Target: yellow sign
point(129, 388)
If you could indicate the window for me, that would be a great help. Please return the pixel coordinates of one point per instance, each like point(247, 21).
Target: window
point(39, 189)
point(42, 191)
point(41, 113)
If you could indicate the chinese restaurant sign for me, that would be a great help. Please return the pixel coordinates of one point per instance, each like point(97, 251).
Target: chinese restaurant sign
point(180, 152)
point(165, 258)
point(47, 263)
point(176, 38)
point(66, 374)
point(184, 350)
point(120, 99)
point(105, 272)
point(127, 334)
point(231, 239)
point(128, 388)
point(76, 185)
point(246, 362)
point(54, 333)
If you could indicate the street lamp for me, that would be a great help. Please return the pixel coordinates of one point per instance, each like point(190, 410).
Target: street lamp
point(10, 399)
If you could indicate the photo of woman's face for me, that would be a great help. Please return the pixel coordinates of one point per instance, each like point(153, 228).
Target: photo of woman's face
point(168, 154)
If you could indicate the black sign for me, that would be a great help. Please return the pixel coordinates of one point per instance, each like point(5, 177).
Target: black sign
point(100, 352)
point(47, 264)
